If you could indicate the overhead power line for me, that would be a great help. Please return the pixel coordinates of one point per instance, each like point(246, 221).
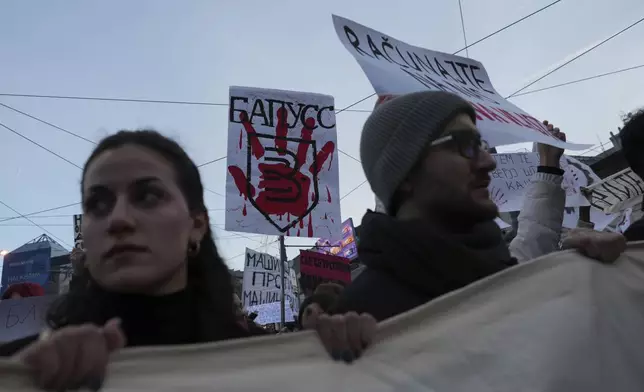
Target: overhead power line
point(460, 8)
point(35, 224)
point(579, 80)
point(507, 26)
point(576, 57)
point(40, 145)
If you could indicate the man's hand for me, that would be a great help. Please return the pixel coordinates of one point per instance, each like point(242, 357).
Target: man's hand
point(602, 246)
point(549, 155)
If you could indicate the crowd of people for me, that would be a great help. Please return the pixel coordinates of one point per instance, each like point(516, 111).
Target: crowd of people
point(151, 273)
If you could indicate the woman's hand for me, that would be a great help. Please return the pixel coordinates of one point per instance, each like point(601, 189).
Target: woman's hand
point(346, 336)
point(73, 357)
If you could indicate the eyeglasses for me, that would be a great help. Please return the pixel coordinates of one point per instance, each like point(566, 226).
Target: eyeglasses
point(468, 144)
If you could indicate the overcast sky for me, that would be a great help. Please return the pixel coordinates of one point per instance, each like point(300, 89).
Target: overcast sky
point(193, 50)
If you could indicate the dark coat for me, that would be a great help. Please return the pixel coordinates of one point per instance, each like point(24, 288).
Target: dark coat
point(635, 231)
point(411, 263)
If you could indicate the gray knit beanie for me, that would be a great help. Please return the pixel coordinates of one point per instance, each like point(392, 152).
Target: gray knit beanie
point(398, 131)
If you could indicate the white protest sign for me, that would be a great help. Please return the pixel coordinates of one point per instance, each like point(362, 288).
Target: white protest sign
point(617, 192)
point(514, 172)
point(394, 67)
point(78, 231)
point(272, 313)
point(263, 281)
point(282, 164)
point(23, 317)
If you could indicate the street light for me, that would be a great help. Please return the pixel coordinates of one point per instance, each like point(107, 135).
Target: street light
point(3, 252)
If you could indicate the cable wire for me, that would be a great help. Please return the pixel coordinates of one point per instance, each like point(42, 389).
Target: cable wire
point(40, 145)
point(576, 57)
point(460, 8)
point(47, 123)
point(580, 80)
point(507, 27)
point(35, 224)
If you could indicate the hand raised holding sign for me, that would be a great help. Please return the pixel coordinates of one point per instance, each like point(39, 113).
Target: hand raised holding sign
point(549, 155)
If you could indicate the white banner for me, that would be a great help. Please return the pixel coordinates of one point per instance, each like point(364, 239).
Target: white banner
point(263, 281)
point(514, 172)
point(78, 232)
point(563, 323)
point(394, 67)
point(272, 313)
point(23, 317)
point(282, 164)
point(617, 192)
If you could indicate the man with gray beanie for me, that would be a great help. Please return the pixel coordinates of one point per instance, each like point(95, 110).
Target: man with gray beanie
point(425, 160)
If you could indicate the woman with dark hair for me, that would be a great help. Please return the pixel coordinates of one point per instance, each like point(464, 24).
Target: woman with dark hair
point(154, 276)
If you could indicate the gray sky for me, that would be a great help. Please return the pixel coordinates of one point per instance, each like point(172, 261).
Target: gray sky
point(194, 49)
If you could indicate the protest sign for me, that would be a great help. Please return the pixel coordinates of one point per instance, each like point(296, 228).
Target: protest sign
point(599, 219)
point(263, 281)
point(394, 67)
point(514, 172)
point(23, 317)
point(617, 192)
point(78, 232)
point(282, 176)
point(560, 323)
point(316, 268)
point(272, 313)
point(346, 246)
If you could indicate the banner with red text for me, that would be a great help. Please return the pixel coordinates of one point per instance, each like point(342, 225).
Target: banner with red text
point(394, 68)
point(283, 174)
point(316, 268)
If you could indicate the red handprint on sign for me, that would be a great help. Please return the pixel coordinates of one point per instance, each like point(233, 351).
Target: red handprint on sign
point(284, 187)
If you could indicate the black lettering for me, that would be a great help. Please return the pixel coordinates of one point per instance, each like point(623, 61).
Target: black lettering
point(463, 66)
point(303, 115)
point(442, 70)
point(322, 124)
point(374, 49)
point(415, 66)
point(479, 82)
point(295, 114)
point(259, 111)
point(384, 44)
point(354, 41)
point(456, 70)
point(232, 110)
point(272, 109)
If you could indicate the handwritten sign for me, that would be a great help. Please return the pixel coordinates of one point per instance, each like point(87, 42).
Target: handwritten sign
point(514, 172)
point(23, 317)
point(282, 176)
point(617, 192)
point(78, 232)
point(263, 280)
point(272, 313)
point(394, 68)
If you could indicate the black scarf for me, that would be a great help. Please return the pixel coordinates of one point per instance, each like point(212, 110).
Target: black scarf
point(428, 259)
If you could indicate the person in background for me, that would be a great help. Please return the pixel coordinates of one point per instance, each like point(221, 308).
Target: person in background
point(23, 290)
point(155, 276)
point(244, 320)
point(79, 270)
point(425, 160)
point(632, 138)
point(320, 302)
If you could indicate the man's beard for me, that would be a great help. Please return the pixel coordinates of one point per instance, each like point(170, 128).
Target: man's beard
point(463, 210)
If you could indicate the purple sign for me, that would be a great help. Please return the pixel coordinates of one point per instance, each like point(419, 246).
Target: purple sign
point(345, 247)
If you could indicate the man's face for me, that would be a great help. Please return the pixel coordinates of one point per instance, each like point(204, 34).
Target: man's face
point(453, 176)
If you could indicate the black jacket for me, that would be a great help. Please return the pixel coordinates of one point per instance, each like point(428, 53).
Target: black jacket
point(411, 263)
point(635, 231)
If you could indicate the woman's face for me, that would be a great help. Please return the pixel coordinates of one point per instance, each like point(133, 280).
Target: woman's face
point(136, 223)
